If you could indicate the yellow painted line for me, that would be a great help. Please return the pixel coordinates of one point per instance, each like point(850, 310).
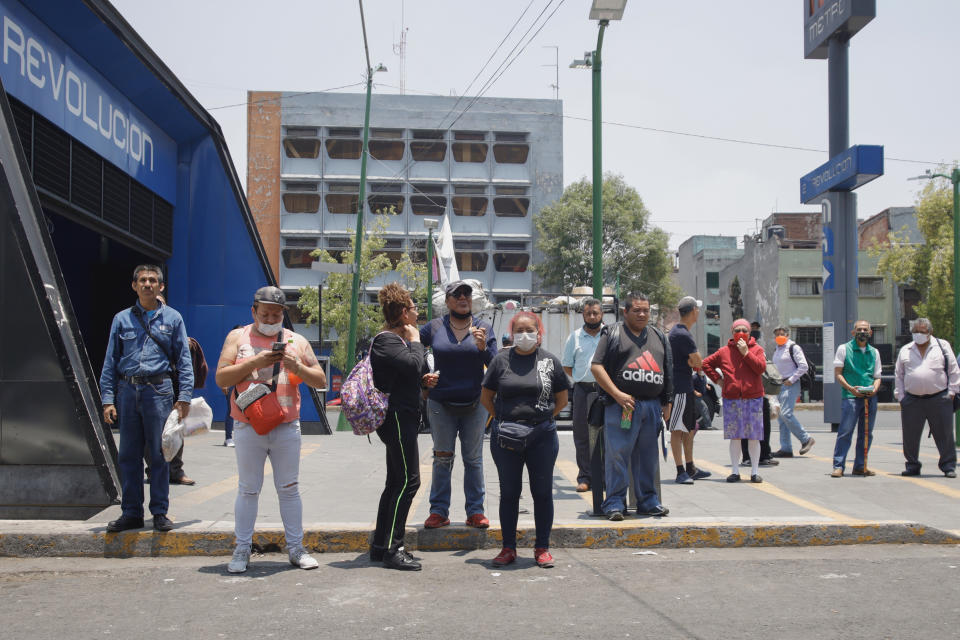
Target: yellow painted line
point(570, 471)
point(920, 482)
point(211, 491)
point(900, 451)
point(766, 487)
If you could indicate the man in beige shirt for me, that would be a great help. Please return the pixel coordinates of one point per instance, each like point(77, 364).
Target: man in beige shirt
point(927, 378)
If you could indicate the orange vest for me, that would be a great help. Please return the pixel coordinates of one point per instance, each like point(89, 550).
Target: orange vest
point(288, 393)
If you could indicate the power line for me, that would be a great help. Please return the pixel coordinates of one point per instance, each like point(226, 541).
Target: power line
point(289, 95)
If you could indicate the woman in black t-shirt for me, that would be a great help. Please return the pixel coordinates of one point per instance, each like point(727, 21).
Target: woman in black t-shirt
point(399, 368)
point(525, 385)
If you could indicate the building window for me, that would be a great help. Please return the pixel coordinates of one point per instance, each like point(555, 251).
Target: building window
point(297, 258)
point(809, 335)
point(428, 205)
point(870, 287)
point(510, 153)
point(386, 144)
point(511, 262)
point(344, 149)
point(428, 146)
point(300, 186)
point(301, 202)
point(336, 246)
point(472, 260)
point(713, 342)
point(713, 281)
point(504, 136)
point(511, 191)
point(713, 313)
point(301, 147)
point(469, 135)
point(343, 197)
point(511, 207)
point(386, 204)
point(879, 335)
point(805, 287)
point(393, 249)
point(467, 206)
point(469, 152)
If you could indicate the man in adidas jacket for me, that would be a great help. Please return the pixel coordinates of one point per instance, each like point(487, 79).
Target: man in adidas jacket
point(634, 366)
point(792, 365)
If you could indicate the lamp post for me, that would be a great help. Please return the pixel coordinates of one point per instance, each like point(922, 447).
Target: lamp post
point(430, 224)
point(604, 11)
point(954, 177)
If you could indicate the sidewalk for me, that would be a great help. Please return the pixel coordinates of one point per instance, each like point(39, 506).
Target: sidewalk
point(342, 476)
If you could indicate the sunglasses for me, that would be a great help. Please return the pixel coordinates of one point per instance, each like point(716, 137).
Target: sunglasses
point(461, 293)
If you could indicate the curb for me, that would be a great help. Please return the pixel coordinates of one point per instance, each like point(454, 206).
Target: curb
point(98, 544)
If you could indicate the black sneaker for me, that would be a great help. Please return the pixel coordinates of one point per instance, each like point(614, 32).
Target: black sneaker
point(769, 462)
point(123, 523)
point(701, 474)
point(401, 561)
point(756, 479)
point(733, 477)
point(782, 454)
point(162, 523)
point(658, 511)
point(615, 516)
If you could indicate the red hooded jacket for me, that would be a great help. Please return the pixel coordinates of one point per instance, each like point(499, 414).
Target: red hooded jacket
point(741, 374)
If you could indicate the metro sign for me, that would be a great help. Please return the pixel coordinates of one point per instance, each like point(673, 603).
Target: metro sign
point(823, 19)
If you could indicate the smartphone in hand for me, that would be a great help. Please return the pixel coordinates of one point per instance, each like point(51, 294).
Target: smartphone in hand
point(279, 346)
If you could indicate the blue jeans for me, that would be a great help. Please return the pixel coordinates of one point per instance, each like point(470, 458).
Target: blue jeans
point(445, 428)
point(636, 447)
point(141, 412)
point(539, 456)
point(851, 414)
point(788, 421)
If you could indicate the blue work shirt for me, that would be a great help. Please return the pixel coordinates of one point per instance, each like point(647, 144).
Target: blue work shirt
point(130, 352)
point(578, 354)
point(460, 363)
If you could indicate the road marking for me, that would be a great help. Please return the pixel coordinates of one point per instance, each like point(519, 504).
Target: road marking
point(211, 491)
point(920, 482)
point(900, 451)
point(571, 471)
point(766, 487)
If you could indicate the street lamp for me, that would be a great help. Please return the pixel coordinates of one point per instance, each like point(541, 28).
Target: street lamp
point(430, 224)
point(604, 11)
point(954, 177)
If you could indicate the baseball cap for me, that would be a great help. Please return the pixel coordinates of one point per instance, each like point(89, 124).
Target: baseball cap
point(270, 295)
point(456, 284)
point(688, 304)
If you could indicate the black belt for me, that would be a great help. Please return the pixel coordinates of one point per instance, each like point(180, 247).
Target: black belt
point(929, 395)
point(589, 386)
point(156, 379)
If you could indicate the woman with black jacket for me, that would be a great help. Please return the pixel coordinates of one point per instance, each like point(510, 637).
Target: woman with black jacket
point(399, 368)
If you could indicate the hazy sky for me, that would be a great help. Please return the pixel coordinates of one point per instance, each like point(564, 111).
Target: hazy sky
point(728, 69)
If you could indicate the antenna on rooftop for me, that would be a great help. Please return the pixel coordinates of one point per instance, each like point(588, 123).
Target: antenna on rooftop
point(400, 48)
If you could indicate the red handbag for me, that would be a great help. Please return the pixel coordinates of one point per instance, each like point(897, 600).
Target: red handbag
point(262, 410)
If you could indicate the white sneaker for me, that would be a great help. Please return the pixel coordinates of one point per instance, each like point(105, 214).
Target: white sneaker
point(300, 558)
point(228, 442)
point(240, 559)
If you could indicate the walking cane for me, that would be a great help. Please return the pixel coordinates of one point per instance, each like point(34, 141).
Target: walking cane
point(866, 432)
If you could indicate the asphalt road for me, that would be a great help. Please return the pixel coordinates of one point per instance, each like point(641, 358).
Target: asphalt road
point(830, 592)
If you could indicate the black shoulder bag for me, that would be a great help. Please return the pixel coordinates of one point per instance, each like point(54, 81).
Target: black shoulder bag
point(946, 373)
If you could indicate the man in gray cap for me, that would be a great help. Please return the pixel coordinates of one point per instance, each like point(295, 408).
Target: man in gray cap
point(683, 418)
point(264, 352)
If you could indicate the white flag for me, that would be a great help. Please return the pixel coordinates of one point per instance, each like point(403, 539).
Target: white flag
point(446, 257)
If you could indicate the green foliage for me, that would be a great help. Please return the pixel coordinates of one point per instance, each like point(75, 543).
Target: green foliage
point(632, 248)
point(927, 267)
point(736, 298)
point(338, 288)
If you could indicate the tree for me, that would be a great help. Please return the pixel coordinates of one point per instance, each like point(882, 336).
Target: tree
point(374, 264)
point(632, 249)
point(736, 298)
point(927, 267)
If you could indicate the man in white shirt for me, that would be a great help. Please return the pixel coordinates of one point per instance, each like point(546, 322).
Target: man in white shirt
point(792, 365)
point(927, 378)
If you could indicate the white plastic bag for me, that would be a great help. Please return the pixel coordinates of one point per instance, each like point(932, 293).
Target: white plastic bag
point(199, 419)
point(774, 407)
point(172, 438)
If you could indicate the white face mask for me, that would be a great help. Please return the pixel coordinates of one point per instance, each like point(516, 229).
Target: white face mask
point(269, 329)
point(921, 338)
point(525, 341)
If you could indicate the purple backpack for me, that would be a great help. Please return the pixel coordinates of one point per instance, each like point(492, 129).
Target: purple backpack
point(363, 405)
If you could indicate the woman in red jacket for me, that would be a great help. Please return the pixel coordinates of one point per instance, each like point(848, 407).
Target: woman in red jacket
point(739, 364)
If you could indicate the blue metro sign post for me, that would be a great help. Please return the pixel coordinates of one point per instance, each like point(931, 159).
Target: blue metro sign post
point(828, 26)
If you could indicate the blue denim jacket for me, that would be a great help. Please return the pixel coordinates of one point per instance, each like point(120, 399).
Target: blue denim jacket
point(130, 352)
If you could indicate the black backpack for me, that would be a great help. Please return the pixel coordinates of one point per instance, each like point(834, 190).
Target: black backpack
point(807, 379)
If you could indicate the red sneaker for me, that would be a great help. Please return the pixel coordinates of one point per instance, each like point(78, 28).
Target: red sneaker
point(478, 521)
point(505, 557)
point(543, 558)
point(435, 521)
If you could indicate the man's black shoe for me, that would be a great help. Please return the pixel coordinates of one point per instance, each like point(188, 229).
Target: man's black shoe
point(123, 523)
point(658, 511)
point(769, 462)
point(910, 472)
point(162, 523)
point(401, 561)
point(782, 454)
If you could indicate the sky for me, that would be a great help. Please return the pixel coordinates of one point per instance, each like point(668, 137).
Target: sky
point(676, 76)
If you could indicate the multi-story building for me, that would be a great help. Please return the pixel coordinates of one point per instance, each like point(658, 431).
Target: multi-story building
point(700, 259)
point(489, 169)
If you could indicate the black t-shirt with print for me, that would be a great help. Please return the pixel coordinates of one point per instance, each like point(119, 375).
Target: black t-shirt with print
point(525, 385)
point(638, 365)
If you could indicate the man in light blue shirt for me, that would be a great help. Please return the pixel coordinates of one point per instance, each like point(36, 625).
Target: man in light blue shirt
point(577, 355)
point(147, 349)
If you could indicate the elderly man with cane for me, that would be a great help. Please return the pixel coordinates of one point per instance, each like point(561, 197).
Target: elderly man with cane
point(927, 379)
point(857, 369)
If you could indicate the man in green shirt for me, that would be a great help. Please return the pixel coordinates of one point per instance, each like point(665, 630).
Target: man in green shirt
point(857, 369)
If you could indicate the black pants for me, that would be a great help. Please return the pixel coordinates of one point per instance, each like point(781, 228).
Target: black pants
point(583, 395)
point(765, 443)
point(399, 434)
point(176, 465)
point(938, 412)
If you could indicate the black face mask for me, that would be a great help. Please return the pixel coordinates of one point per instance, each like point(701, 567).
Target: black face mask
point(863, 336)
point(593, 326)
point(460, 316)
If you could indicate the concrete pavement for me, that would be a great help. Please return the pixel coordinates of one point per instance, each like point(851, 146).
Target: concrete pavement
point(342, 476)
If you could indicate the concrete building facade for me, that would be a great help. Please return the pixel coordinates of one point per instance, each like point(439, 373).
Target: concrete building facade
point(700, 260)
point(489, 172)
